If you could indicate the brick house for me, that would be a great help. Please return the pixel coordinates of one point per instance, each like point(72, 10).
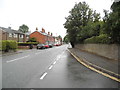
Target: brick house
point(43, 37)
point(10, 34)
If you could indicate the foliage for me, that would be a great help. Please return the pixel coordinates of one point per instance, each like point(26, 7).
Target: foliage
point(66, 39)
point(84, 25)
point(103, 38)
point(11, 44)
point(112, 25)
point(8, 45)
point(24, 28)
point(82, 20)
point(27, 43)
point(32, 40)
point(3, 45)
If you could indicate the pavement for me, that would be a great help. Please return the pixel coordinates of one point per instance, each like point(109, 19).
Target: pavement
point(12, 52)
point(102, 64)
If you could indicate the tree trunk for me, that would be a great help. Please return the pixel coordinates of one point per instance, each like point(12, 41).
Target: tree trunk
point(73, 45)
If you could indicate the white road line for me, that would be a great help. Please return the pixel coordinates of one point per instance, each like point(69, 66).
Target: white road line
point(42, 77)
point(54, 62)
point(17, 59)
point(50, 67)
point(38, 53)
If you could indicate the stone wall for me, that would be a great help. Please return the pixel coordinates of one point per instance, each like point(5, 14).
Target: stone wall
point(110, 51)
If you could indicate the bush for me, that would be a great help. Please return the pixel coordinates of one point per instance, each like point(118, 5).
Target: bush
point(7, 45)
point(3, 45)
point(27, 43)
point(101, 39)
point(32, 39)
point(11, 44)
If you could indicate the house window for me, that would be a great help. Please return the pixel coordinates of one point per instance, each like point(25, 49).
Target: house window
point(15, 35)
point(21, 36)
point(10, 34)
point(27, 37)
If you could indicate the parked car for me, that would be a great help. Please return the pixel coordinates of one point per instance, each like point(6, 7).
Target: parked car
point(57, 44)
point(46, 46)
point(40, 46)
point(50, 45)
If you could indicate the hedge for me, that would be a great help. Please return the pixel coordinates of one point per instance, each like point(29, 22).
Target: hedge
point(11, 44)
point(101, 39)
point(2, 45)
point(7, 45)
point(27, 43)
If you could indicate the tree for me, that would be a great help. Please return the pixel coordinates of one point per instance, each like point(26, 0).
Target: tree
point(77, 18)
point(32, 39)
point(66, 39)
point(113, 23)
point(24, 28)
point(80, 22)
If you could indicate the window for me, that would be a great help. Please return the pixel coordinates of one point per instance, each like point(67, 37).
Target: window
point(10, 34)
point(21, 36)
point(27, 36)
point(15, 35)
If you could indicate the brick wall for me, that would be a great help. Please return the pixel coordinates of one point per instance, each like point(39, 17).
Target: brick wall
point(39, 37)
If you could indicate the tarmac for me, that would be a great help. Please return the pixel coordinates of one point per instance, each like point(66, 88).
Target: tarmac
point(102, 65)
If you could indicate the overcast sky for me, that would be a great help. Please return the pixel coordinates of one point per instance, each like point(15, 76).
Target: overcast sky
point(49, 14)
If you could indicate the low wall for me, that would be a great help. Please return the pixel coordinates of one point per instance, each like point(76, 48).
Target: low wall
point(110, 51)
point(25, 47)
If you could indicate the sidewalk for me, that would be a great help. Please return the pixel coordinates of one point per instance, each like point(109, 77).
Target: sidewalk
point(100, 63)
point(12, 52)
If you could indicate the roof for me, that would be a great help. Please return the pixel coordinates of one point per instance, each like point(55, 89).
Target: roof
point(9, 30)
point(45, 34)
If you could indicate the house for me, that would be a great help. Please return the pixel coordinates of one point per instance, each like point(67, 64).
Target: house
point(10, 34)
point(58, 40)
point(43, 37)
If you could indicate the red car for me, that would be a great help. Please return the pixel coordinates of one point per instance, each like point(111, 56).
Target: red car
point(46, 46)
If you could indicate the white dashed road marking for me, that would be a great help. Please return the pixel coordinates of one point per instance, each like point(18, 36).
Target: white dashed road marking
point(54, 62)
point(57, 58)
point(17, 59)
point(50, 67)
point(42, 77)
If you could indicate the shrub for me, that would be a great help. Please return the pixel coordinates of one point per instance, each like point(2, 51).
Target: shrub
point(103, 39)
point(27, 43)
point(3, 45)
point(32, 39)
point(7, 45)
point(11, 44)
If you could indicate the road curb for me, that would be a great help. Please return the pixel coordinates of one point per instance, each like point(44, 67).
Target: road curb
point(96, 68)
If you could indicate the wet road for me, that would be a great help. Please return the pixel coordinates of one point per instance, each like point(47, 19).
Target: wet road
point(50, 68)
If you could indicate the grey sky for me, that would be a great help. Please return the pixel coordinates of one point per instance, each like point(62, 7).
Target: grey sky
point(49, 14)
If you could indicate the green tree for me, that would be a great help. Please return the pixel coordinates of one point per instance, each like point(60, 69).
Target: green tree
point(82, 21)
point(78, 17)
point(66, 39)
point(113, 23)
point(24, 28)
point(32, 39)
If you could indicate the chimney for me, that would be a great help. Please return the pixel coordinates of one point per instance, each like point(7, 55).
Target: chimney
point(36, 29)
point(48, 33)
point(51, 34)
point(43, 30)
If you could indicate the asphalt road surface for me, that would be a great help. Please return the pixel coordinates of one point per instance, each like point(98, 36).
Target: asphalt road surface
point(49, 68)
